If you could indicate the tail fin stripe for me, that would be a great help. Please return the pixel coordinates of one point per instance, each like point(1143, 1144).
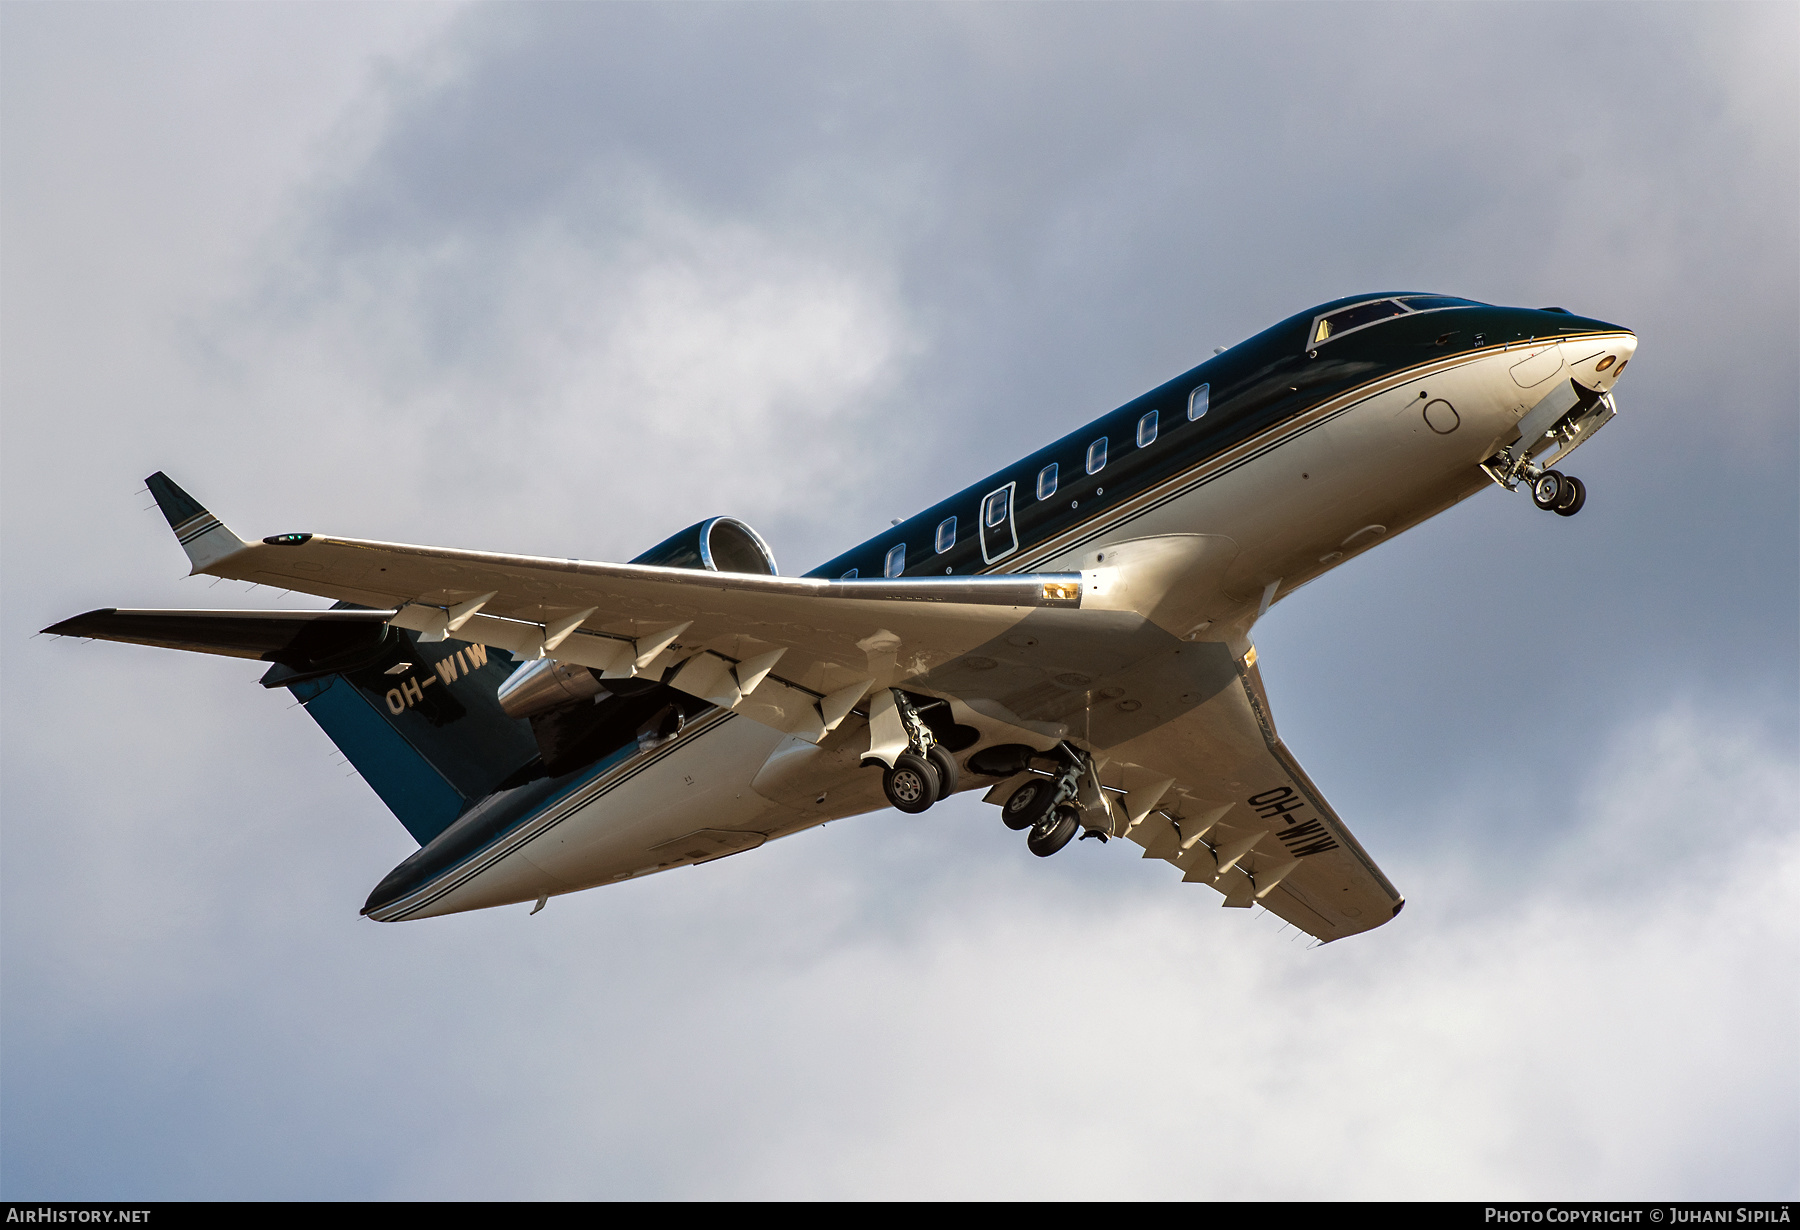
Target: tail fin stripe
point(203, 536)
point(201, 525)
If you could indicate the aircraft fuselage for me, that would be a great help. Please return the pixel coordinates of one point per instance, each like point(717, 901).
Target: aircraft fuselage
point(1273, 462)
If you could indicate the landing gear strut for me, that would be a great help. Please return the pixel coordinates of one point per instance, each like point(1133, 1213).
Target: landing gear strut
point(1566, 419)
point(924, 772)
point(1049, 806)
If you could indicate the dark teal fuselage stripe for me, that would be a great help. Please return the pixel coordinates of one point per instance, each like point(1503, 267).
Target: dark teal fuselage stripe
point(1254, 386)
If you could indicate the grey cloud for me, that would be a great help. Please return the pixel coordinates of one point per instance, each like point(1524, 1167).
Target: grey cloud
point(440, 305)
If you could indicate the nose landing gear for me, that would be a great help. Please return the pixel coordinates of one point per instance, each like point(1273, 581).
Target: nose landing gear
point(1562, 494)
point(1582, 412)
point(1551, 490)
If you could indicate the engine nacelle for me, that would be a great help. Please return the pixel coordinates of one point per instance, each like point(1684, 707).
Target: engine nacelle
point(718, 544)
point(546, 684)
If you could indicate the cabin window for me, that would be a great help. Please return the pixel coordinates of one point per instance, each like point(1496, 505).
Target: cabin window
point(999, 506)
point(896, 560)
point(1046, 484)
point(1146, 433)
point(946, 534)
point(1197, 402)
point(1096, 458)
point(1352, 318)
point(849, 576)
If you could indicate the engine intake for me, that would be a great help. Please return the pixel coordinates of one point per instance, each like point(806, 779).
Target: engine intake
point(718, 544)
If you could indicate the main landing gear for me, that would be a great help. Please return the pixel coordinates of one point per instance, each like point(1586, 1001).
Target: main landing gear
point(1049, 806)
point(924, 772)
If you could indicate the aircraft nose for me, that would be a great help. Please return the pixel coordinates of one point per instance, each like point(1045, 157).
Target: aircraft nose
point(1595, 362)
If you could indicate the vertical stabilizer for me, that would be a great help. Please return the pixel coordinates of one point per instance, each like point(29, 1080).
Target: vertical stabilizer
point(203, 536)
point(423, 725)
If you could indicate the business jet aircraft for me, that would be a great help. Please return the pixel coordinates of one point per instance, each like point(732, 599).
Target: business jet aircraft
point(1070, 635)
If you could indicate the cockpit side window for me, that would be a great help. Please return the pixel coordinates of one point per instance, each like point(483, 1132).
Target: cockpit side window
point(1433, 303)
point(1350, 319)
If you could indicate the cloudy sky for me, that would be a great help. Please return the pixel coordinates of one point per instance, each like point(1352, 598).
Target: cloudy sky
point(563, 279)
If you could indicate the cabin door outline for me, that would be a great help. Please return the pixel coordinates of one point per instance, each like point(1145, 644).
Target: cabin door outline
point(999, 531)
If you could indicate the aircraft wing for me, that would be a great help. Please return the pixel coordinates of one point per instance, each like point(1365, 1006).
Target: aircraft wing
point(1216, 793)
point(795, 653)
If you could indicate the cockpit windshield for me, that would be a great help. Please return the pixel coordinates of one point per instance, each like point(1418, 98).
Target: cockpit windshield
point(1328, 327)
point(1362, 315)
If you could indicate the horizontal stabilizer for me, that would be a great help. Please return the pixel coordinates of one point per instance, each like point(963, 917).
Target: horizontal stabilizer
point(421, 722)
point(203, 536)
point(306, 642)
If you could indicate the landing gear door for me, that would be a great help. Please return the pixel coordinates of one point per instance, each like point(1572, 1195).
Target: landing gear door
point(999, 535)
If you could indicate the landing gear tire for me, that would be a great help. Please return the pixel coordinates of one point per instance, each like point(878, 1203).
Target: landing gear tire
point(1574, 495)
point(945, 764)
point(1028, 803)
point(911, 785)
point(1547, 490)
point(1052, 832)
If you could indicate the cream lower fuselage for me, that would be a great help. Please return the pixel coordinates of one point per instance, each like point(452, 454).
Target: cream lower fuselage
point(1276, 509)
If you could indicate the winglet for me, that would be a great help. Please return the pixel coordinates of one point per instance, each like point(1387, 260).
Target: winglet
point(203, 536)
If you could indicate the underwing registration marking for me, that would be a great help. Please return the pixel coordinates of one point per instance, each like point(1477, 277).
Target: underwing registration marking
point(1299, 835)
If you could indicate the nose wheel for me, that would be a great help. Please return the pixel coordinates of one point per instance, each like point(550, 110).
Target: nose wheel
point(1562, 494)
